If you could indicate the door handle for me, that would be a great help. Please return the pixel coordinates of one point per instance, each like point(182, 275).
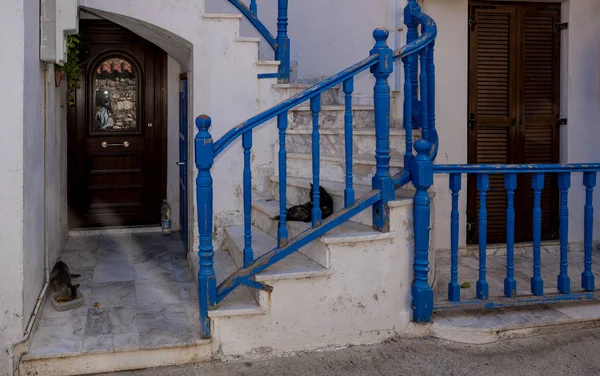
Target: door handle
point(471, 121)
point(105, 144)
point(180, 163)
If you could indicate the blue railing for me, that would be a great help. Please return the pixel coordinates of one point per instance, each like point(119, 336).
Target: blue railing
point(423, 172)
point(280, 43)
point(380, 62)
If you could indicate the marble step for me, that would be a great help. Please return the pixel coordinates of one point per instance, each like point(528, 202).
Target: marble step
point(334, 166)
point(241, 301)
point(263, 212)
point(333, 140)
point(286, 91)
point(294, 266)
point(333, 117)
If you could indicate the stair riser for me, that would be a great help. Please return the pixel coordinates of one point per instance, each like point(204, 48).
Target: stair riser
point(315, 250)
point(334, 171)
point(331, 119)
point(299, 195)
point(329, 97)
point(335, 143)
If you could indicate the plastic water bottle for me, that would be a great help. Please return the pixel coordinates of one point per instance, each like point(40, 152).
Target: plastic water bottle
point(165, 216)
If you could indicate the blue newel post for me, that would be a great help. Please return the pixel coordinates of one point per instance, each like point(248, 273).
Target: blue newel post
point(207, 281)
point(382, 179)
point(422, 177)
point(283, 42)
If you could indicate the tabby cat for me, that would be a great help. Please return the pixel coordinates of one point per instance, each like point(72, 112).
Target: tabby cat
point(60, 279)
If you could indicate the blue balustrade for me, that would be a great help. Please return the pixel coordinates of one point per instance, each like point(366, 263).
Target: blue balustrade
point(348, 142)
point(280, 44)
point(510, 172)
point(412, 34)
point(315, 108)
point(207, 282)
point(453, 286)
point(587, 277)
point(247, 145)
point(510, 284)
point(432, 132)
point(419, 168)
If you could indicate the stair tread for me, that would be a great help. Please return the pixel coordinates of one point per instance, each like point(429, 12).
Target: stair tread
point(397, 160)
point(333, 187)
point(238, 302)
point(355, 131)
point(335, 107)
point(294, 266)
point(342, 232)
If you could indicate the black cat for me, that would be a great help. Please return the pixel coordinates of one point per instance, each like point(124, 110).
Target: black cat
point(60, 279)
point(303, 213)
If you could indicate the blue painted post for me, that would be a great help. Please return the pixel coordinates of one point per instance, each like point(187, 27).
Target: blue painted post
point(563, 280)
point(315, 107)
point(283, 42)
point(382, 179)
point(282, 233)
point(424, 84)
point(422, 177)
point(408, 155)
point(537, 283)
point(510, 284)
point(431, 93)
point(453, 286)
point(207, 281)
point(254, 7)
point(412, 24)
point(587, 277)
point(247, 145)
point(483, 185)
point(349, 191)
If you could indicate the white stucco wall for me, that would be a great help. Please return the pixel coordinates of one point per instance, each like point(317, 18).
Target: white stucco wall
point(583, 130)
point(11, 170)
point(173, 70)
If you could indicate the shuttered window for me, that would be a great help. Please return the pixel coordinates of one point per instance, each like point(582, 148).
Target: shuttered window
point(513, 102)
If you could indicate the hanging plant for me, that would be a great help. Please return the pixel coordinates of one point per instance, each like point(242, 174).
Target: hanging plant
point(76, 54)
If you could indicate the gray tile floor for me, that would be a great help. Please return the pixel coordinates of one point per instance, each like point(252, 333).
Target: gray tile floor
point(139, 293)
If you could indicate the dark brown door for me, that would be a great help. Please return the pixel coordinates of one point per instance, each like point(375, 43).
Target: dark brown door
point(513, 108)
point(117, 143)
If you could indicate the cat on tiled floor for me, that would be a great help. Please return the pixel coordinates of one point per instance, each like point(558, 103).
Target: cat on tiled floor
point(60, 280)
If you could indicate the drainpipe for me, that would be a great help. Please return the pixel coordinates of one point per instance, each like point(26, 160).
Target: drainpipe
point(20, 344)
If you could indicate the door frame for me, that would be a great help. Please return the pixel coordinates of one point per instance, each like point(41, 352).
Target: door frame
point(106, 32)
point(559, 85)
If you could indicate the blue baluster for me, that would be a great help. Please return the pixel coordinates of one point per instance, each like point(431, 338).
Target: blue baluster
point(422, 177)
point(283, 42)
point(412, 24)
point(510, 284)
point(349, 191)
point(587, 277)
point(453, 286)
point(247, 145)
point(564, 282)
point(424, 84)
point(282, 233)
point(254, 7)
point(207, 281)
point(408, 155)
point(382, 179)
point(483, 185)
point(315, 107)
point(537, 284)
point(431, 93)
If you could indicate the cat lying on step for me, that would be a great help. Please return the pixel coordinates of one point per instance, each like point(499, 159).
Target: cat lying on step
point(303, 213)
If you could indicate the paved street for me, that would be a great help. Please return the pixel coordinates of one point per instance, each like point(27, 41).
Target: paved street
point(574, 353)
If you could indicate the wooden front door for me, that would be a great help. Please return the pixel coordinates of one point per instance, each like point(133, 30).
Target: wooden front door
point(116, 131)
point(513, 109)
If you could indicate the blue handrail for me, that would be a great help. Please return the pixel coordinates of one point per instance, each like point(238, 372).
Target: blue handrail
point(281, 43)
point(380, 64)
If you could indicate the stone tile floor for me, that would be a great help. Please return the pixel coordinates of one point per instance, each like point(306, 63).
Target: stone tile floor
point(139, 293)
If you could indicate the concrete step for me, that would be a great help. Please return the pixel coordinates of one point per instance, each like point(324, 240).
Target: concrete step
point(294, 266)
point(334, 166)
point(264, 211)
point(333, 140)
